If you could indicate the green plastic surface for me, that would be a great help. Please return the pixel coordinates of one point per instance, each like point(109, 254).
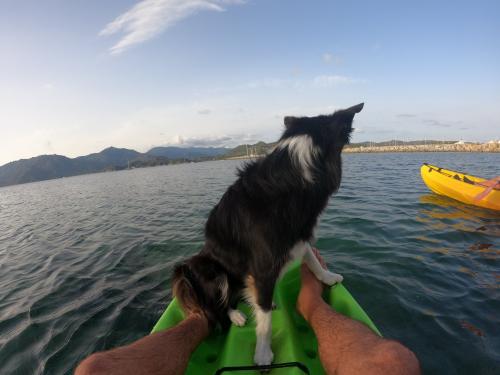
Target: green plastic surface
point(292, 338)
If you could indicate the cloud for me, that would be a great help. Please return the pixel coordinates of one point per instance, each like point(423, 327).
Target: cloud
point(406, 115)
point(149, 18)
point(213, 141)
point(333, 80)
point(204, 112)
point(436, 123)
point(328, 58)
point(322, 81)
point(48, 86)
point(269, 83)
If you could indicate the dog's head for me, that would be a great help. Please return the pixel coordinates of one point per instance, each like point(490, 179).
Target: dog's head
point(317, 142)
point(329, 132)
point(201, 286)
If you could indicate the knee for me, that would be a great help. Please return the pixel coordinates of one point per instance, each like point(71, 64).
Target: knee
point(93, 365)
point(396, 358)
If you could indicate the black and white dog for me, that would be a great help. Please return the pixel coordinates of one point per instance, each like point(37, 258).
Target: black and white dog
point(263, 221)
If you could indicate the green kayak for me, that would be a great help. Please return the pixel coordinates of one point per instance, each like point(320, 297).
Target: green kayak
point(292, 339)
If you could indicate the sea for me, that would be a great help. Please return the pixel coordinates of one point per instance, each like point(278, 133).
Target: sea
point(86, 261)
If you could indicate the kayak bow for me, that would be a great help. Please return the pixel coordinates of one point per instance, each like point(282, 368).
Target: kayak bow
point(293, 341)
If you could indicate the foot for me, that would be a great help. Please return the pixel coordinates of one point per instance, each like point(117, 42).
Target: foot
point(237, 317)
point(263, 355)
point(330, 278)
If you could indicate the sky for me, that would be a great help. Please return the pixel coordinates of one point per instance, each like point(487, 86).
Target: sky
point(79, 76)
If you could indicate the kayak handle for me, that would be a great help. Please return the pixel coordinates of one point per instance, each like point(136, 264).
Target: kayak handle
point(301, 367)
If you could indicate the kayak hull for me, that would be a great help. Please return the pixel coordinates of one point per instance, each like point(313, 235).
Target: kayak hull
point(442, 181)
point(292, 338)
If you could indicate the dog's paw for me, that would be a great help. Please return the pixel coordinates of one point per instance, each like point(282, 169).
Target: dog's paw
point(330, 278)
point(263, 355)
point(237, 317)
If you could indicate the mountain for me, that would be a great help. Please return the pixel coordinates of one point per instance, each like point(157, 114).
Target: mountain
point(109, 157)
point(46, 167)
point(187, 152)
point(35, 169)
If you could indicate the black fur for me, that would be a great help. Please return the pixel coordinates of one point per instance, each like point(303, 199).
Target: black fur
point(262, 216)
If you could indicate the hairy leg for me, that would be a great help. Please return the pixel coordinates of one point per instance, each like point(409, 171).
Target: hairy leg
point(356, 349)
point(162, 353)
point(322, 274)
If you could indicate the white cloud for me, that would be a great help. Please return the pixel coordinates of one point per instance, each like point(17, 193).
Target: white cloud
point(209, 141)
point(268, 83)
point(149, 18)
point(329, 58)
point(205, 111)
point(333, 80)
point(322, 81)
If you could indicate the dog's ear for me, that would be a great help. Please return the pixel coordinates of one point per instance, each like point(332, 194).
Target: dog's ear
point(345, 116)
point(355, 108)
point(183, 289)
point(289, 121)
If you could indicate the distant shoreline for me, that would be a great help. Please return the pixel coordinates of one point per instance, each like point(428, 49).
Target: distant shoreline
point(255, 151)
point(466, 148)
point(484, 147)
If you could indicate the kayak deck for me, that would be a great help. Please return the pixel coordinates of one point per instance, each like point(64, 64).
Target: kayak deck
point(292, 338)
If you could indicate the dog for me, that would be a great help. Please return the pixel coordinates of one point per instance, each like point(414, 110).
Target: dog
point(264, 221)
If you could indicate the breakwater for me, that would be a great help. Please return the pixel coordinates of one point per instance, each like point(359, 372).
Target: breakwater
point(447, 147)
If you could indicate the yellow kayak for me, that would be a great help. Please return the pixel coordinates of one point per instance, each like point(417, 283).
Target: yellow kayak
point(460, 186)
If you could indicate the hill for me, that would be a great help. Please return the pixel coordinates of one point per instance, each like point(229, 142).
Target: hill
point(172, 152)
point(46, 167)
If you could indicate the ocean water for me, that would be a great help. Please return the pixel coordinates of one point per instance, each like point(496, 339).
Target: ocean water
point(85, 261)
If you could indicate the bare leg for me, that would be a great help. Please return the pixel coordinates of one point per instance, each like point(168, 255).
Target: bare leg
point(347, 347)
point(165, 353)
point(322, 274)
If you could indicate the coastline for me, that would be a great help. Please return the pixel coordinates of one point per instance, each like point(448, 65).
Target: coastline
point(467, 148)
point(482, 147)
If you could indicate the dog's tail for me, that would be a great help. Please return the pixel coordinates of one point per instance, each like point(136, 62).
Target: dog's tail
point(202, 288)
point(184, 290)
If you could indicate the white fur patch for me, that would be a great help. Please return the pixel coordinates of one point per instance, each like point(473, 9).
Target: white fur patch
point(263, 353)
point(302, 150)
point(237, 317)
point(325, 276)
